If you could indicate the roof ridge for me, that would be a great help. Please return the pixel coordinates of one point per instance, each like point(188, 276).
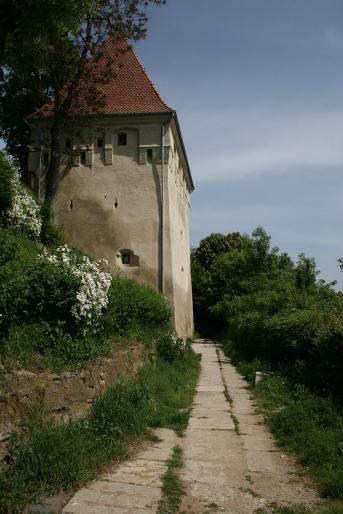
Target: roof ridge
point(148, 77)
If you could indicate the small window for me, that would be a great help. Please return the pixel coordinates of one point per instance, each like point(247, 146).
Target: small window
point(149, 156)
point(68, 144)
point(126, 258)
point(83, 158)
point(122, 139)
point(100, 142)
point(45, 159)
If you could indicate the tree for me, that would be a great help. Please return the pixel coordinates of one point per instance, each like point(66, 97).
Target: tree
point(215, 244)
point(53, 42)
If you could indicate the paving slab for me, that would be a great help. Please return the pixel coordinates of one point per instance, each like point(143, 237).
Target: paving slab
point(229, 472)
point(133, 487)
point(223, 471)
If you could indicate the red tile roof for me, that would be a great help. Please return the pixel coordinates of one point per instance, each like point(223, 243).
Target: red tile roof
point(114, 82)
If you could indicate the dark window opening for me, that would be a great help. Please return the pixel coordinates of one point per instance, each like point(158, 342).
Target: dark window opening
point(126, 258)
point(100, 142)
point(116, 203)
point(122, 139)
point(68, 144)
point(45, 158)
point(71, 205)
point(149, 155)
point(83, 158)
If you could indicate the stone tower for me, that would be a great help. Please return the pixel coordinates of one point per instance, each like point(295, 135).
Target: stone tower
point(124, 180)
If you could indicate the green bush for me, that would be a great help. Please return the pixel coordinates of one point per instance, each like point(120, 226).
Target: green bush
point(309, 425)
point(132, 304)
point(7, 174)
point(18, 259)
point(270, 308)
point(170, 347)
point(29, 287)
point(36, 301)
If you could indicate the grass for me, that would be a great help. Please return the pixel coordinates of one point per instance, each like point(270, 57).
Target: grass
point(172, 487)
point(332, 507)
point(227, 395)
point(48, 457)
point(307, 425)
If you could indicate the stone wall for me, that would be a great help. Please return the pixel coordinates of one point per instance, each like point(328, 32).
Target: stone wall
point(65, 396)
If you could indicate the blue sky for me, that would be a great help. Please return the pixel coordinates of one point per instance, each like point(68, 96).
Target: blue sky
point(258, 86)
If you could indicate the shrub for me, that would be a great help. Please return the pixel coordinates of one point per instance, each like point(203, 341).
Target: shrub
point(7, 178)
point(170, 347)
point(23, 213)
point(132, 304)
point(89, 279)
point(18, 259)
point(309, 425)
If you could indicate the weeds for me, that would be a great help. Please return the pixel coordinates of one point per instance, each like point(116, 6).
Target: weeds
point(306, 424)
point(227, 395)
point(236, 423)
point(51, 457)
point(327, 508)
point(172, 487)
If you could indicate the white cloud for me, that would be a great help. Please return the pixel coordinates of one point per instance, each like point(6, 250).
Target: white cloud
point(267, 142)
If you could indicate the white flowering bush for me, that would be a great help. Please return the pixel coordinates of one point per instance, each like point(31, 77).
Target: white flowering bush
point(94, 283)
point(24, 212)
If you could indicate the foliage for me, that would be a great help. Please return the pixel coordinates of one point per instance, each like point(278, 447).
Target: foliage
point(170, 347)
point(7, 175)
point(131, 304)
point(59, 308)
point(23, 213)
point(18, 208)
point(20, 94)
point(329, 507)
point(51, 457)
point(307, 424)
point(216, 244)
point(93, 283)
point(44, 47)
point(274, 310)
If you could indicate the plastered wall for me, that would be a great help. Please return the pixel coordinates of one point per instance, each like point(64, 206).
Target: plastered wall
point(109, 202)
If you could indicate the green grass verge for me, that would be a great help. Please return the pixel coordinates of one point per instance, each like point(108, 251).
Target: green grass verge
point(307, 425)
point(52, 457)
point(332, 507)
point(172, 487)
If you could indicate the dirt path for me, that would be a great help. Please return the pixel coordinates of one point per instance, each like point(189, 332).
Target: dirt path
point(226, 471)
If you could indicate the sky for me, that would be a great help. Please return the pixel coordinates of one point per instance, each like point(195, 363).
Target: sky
point(258, 87)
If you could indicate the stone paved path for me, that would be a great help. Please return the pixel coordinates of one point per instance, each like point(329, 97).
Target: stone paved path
point(226, 471)
point(135, 487)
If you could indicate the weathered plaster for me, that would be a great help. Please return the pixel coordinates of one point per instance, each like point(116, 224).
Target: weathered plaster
point(113, 201)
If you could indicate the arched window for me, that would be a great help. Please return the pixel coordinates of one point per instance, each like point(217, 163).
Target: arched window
point(128, 258)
